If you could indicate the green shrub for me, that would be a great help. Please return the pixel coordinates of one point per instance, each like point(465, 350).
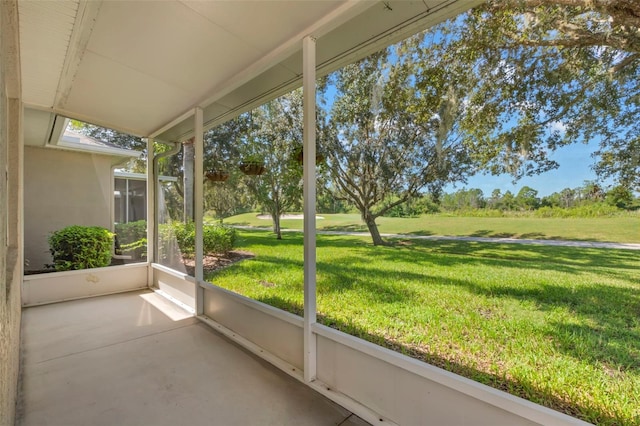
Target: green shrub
point(217, 239)
point(80, 247)
point(414, 207)
point(587, 210)
point(132, 238)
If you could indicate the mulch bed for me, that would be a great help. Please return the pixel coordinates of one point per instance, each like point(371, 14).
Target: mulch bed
point(214, 263)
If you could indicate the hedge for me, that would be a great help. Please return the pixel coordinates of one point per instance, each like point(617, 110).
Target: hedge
point(217, 239)
point(131, 239)
point(80, 247)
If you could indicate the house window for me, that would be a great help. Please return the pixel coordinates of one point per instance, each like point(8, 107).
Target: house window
point(130, 201)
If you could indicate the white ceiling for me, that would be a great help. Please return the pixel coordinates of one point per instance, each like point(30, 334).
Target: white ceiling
point(45, 31)
point(136, 66)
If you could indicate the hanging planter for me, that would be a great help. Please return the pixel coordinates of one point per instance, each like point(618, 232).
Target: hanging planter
point(252, 168)
point(300, 156)
point(217, 176)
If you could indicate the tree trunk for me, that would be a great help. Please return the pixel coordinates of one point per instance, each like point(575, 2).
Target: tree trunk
point(276, 224)
point(188, 160)
point(373, 230)
point(275, 212)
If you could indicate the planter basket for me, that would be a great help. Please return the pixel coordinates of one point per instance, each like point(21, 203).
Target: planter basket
point(217, 175)
point(252, 168)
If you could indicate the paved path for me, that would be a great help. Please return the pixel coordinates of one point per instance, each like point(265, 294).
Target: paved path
point(560, 243)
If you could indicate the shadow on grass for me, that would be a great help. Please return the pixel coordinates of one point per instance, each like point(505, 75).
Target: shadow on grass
point(574, 260)
point(620, 264)
point(570, 254)
point(522, 388)
point(345, 228)
point(489, 233)
point(613, 339)
point(612, 310)
point(422, 233)
point(486, 233)
point(342, 278)
point(534, 236)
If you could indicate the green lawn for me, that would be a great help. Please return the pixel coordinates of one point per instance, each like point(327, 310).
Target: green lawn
point(559, 326)
point(623, 229)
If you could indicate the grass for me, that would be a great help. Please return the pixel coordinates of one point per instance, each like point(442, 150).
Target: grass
point(624, 229)
point(559, 326)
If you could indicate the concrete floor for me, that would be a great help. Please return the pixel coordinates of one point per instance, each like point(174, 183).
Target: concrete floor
point(137, 359)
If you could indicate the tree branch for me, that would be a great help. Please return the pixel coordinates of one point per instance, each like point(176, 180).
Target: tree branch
point(624, 63)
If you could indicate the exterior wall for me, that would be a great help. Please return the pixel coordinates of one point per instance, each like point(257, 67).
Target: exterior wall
point(10, 210)
point(62, 188)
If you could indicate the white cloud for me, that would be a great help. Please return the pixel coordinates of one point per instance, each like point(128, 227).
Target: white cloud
point(558, 126)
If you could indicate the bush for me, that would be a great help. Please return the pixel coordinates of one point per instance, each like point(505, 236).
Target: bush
point(587, 210)
point(414, 208)
point(80, 247)
point(131, 239)
point(217, 239)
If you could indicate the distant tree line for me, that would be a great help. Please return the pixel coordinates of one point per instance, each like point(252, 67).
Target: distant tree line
point(590, 199)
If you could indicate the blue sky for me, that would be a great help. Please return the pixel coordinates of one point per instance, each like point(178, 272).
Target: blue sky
point(575, 167)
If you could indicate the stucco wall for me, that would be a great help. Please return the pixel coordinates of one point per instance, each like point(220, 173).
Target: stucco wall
point(62, 188)
point(10, 219)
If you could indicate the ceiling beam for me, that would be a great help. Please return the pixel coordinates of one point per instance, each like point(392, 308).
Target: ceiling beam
point(82, 28)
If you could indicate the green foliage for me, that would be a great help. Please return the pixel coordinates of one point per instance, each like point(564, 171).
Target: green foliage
point(589, 200)
point(620, 197)
point(132, 238)
point(483, 213)
point(80, 247)
point(463, 199)
point(327, 202)
point(527, 198)
point(276, 138)
point(217, 239)
point(414, 207)
point(546, 74)
point(393, 131)
point(587, 210)
point(122, 140)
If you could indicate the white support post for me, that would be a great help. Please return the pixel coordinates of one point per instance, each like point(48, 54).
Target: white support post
point(198, 213)
point(126, 208)
point(309, 195)
point(151, 211)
